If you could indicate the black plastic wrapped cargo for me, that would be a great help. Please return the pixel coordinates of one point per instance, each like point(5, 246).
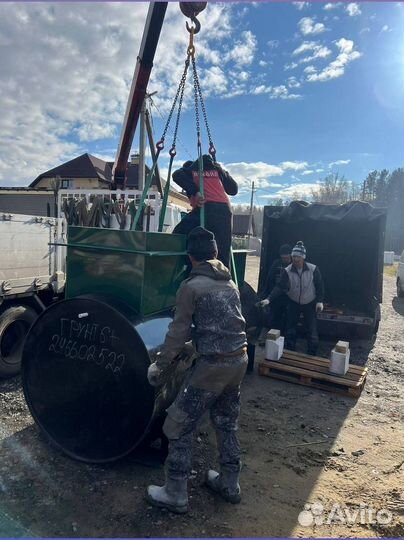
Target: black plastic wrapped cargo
point(347, 243)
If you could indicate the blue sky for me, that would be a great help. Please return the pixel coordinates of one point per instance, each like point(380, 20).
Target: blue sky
point(293, 90)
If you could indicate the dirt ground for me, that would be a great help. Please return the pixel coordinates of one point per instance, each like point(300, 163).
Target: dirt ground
point(301, 446)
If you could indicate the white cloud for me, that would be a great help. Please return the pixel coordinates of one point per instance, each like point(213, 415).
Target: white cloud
point(236, 90)
point(242, 53)
point(288, 67)
point(364, 30)
point(386, 28)
point(282, 92)
point(262, 63)
point(308, 27)
point(293, 165)
point(305, 173)
point(317, 50)
point(322, 52)
point(300, 190)
point(215, 79)
point(301, 5)
point(273, 185)
point(310, 69)
point(353, 9)
point(261, 172)
point(305, 46)
point(293, 82)
point(339, 162)
point(332, 5)
point(273, 43)
point(261, 89)
point(345, 45)
point(275, 92)
point(92, 131)
point(66, 71)
point(336, 68)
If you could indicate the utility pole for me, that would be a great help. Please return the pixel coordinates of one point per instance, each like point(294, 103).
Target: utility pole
point(253, 190)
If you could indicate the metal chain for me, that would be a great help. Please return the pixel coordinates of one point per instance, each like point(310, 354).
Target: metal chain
point(198, 87)
point(160, 114)
point(181, 98)
point(182, 84)
point(196, 101)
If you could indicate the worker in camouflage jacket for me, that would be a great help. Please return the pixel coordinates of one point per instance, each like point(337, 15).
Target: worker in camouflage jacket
point(303, 284)
point(208, 310)
point(218, 185)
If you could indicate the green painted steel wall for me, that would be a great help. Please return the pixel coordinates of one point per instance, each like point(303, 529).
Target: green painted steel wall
point(144, 270)
point(240, 260)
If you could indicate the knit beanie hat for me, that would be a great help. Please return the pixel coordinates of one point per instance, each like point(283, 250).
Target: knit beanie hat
point(285, 250)
point(201, 244)
point(299, 250)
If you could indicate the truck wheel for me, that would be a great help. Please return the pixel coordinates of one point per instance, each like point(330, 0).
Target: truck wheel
point(14, 325)
point(400, 291)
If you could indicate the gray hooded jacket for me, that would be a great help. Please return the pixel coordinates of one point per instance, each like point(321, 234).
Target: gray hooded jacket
point(210, 301)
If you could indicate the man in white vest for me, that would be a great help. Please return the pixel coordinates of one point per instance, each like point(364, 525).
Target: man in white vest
point(303, 284)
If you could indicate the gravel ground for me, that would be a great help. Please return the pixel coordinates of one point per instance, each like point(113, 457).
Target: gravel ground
point(301, 446)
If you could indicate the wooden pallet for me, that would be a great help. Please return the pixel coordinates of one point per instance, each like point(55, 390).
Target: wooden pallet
point(314, 372)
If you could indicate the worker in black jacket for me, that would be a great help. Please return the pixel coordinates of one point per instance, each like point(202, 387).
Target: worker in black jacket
point(303, 284)
point(218, 184)
point(275, 315)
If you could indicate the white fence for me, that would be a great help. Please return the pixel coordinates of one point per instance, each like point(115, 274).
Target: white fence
point(111, 209)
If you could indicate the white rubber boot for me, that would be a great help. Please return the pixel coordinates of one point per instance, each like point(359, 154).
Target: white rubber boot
point(225, 484)
point(173, 496)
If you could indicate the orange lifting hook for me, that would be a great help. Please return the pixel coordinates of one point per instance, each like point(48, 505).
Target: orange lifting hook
point(191, 10)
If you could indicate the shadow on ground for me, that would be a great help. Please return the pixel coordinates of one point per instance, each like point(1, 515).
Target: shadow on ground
point(285, 448)
point(398, 305)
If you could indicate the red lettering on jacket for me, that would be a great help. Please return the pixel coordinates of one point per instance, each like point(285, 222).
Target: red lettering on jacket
point(212, 187)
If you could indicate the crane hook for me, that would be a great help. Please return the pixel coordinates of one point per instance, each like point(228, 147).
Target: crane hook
point(191, 10)
point(193, 29)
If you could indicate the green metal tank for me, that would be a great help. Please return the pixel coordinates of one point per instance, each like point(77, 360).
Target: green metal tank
point(85, 359)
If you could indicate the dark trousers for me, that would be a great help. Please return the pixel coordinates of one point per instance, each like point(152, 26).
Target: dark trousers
point(218, 219)
point(310, 325)
point(275, 314)
point(213, 385)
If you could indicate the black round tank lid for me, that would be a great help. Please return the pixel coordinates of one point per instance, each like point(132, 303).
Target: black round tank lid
point(84, 373)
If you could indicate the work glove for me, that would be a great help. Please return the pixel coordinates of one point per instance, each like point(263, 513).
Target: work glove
point(154, 374)
point(319, 307)
point(263, 303)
